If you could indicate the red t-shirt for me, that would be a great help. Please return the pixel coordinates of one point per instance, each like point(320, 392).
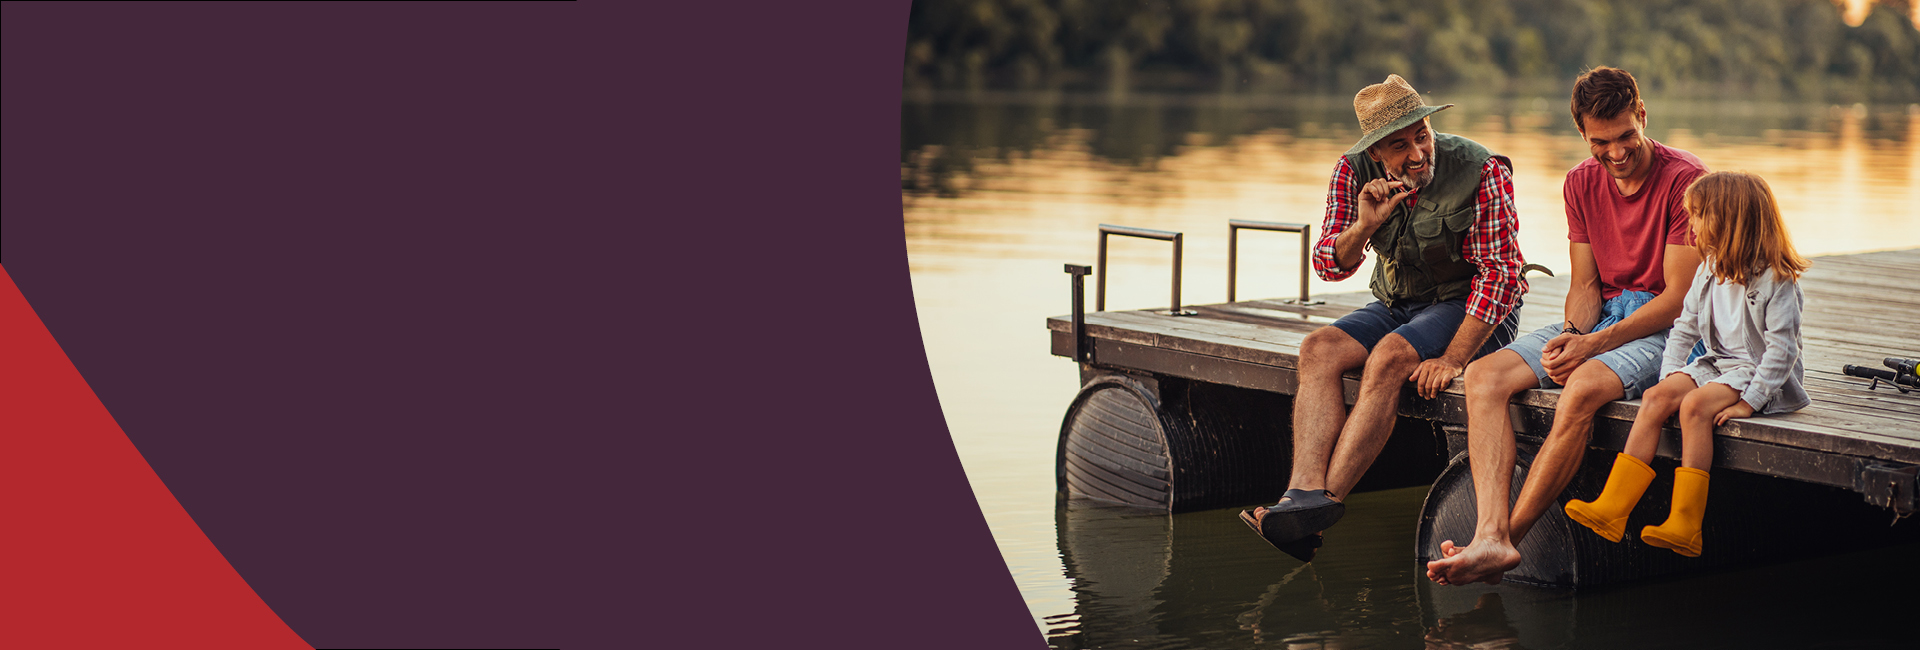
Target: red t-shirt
point(1629, 234)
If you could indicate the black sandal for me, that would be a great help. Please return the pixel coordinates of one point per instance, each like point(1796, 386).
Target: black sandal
point(1303, 513)
point(1302, 549)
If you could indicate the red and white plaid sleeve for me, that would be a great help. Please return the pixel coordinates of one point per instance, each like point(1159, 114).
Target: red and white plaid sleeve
point(1493, 247)
point(1341, 212)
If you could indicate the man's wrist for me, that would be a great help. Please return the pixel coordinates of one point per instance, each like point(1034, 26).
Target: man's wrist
point(1457, 356)
point(1605, 338)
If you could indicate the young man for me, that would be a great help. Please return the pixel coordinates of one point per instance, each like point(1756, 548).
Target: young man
point(1633, 259)
point(1438, 210)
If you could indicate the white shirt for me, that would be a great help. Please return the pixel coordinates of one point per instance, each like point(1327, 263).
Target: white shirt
point(1729, 304)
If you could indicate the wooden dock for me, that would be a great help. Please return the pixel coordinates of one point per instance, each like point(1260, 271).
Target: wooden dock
point(1178, 431)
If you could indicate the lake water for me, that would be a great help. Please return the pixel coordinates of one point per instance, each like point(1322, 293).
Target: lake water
point(999, 190)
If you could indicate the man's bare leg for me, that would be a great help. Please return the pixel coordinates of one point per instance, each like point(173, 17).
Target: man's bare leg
point(1491, 384)
point(1320, 404)
point(1592, 386)
point(1371, 423)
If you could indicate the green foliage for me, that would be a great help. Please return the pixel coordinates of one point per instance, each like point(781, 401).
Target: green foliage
point(1764, 47)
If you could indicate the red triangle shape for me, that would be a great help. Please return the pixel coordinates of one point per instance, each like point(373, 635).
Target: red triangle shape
point(98, 554)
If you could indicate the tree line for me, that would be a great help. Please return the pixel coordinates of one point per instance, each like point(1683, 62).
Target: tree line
point(1762, 48)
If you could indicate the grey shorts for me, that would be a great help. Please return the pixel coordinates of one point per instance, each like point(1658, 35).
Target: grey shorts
point(1637, 363)
point(1734, 373)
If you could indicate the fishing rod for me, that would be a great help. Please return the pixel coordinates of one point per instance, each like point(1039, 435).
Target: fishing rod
point(1903, 372)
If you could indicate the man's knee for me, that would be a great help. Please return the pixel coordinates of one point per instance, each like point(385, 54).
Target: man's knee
point(1499, 376)
point(1392, 359)
point(1592, 386)
point(1331, 348)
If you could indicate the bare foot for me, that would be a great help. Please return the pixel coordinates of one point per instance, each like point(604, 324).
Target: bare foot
point(1447, 550)
point(1482, 561)
point(1436, 569)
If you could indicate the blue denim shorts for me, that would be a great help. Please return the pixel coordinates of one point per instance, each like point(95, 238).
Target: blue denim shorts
point(1428, 327)
point(1637, 363)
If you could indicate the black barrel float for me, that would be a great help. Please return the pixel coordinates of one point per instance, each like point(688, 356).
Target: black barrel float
point(1173, 444)
point(1113, 445)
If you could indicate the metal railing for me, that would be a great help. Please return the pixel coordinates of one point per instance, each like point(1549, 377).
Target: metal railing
point(1083, 351)
point(1100, 290)
point(1233, 252)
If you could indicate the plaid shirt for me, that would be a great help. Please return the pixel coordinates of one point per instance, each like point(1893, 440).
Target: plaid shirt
point(1491, 245)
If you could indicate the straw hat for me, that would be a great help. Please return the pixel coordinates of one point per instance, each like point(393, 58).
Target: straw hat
point(1386, 107)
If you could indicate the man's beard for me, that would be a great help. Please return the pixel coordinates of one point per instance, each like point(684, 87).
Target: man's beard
point(1418, 179)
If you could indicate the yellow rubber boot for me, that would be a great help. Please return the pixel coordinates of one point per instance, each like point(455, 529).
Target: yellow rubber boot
point(1607, 515)
point(1682, 530)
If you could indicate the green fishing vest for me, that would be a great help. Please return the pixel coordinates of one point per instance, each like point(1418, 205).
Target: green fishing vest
point(1419, 249)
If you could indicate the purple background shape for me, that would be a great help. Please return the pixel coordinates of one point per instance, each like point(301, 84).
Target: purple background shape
point(570, 325)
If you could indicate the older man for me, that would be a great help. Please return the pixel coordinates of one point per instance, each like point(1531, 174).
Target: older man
point(1633, 260)
point(1438, 211)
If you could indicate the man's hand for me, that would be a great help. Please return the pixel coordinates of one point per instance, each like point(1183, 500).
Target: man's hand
point(1740, 409)
point(1434, 375)
point(1377, 201)
point(1566, 352)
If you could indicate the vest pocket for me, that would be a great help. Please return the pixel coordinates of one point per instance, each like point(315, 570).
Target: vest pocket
point(1389, 275)
point(1428, 228)
point(1440, 236)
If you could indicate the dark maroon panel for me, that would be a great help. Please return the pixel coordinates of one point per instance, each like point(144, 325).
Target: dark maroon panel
point(521, 325)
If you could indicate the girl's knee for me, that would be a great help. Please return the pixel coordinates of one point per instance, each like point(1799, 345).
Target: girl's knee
point(1664, 396)
point(1697, 405)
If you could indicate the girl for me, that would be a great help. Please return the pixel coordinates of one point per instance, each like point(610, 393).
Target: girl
point(1745, 305)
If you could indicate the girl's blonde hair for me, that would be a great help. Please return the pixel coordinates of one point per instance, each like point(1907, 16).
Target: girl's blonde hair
point(1738, 229)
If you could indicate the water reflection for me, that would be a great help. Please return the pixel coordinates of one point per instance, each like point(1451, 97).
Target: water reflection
point(998, 175)
point(1513, 616)
point(1485, 626)
point(1202, 580)
point(945, 135)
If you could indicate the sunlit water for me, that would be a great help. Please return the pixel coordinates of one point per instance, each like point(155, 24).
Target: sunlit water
point(1000, 190)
